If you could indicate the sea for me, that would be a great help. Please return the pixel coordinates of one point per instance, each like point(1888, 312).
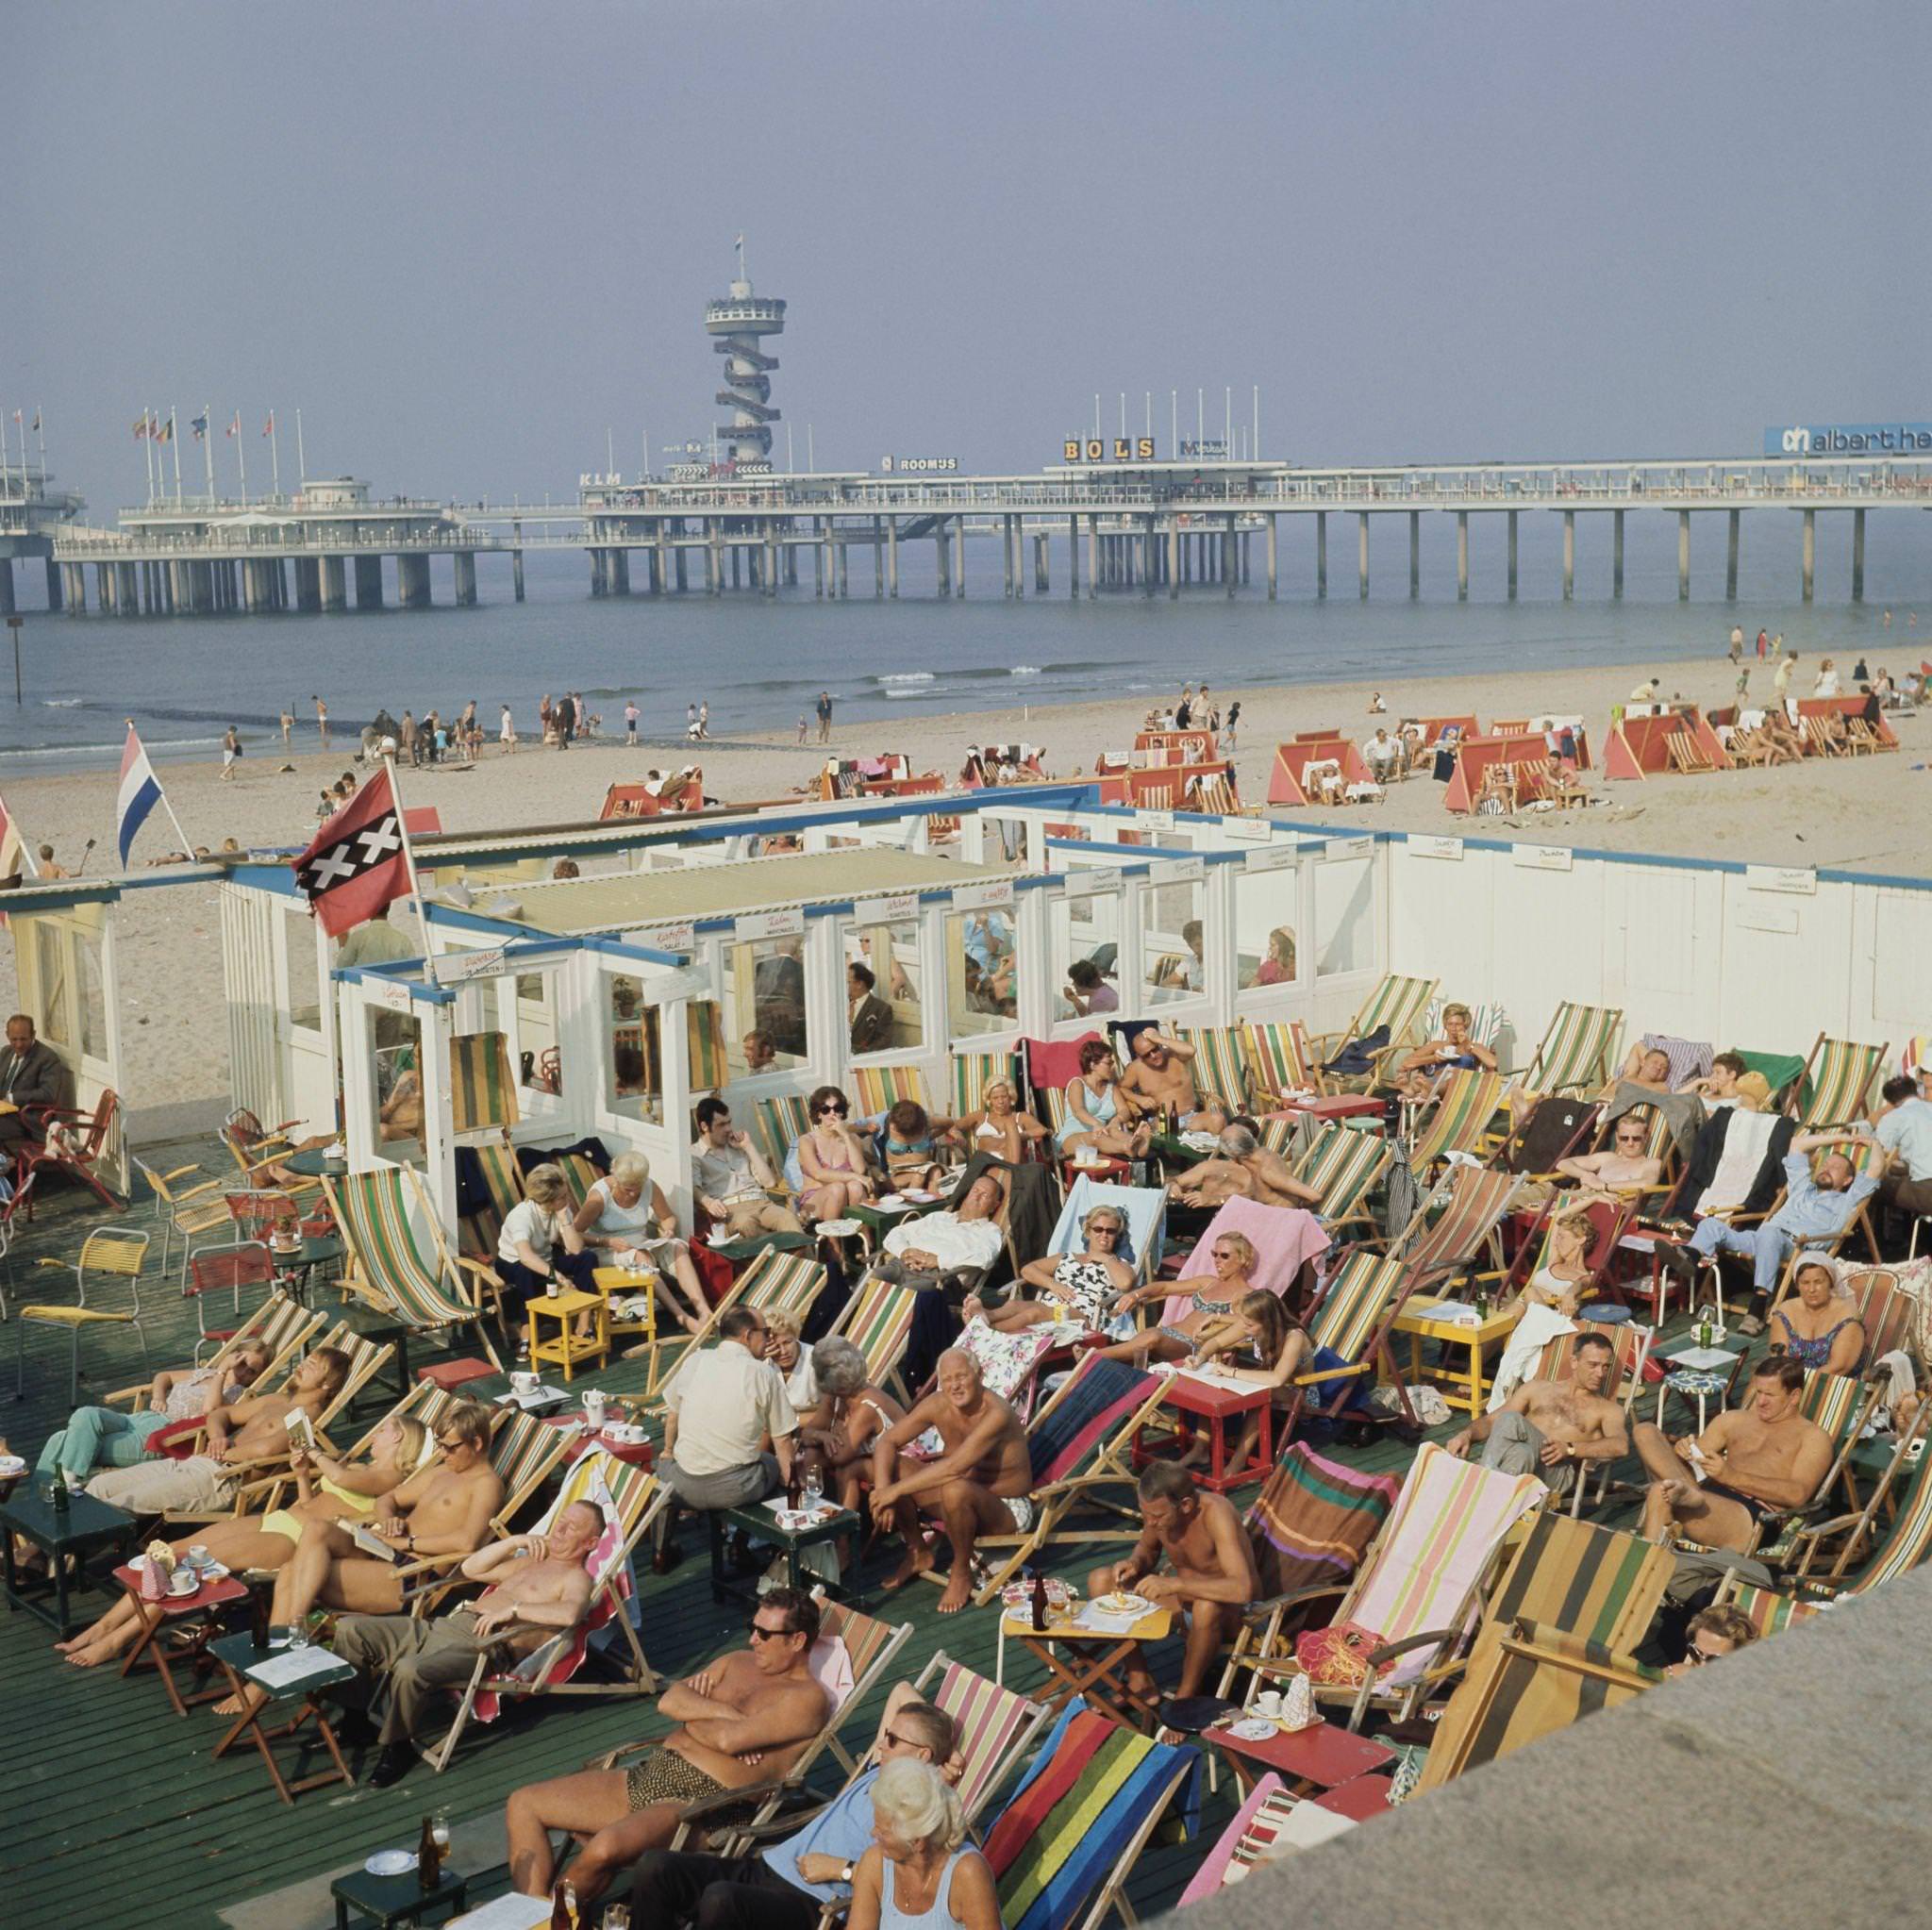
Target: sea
point(760, 664)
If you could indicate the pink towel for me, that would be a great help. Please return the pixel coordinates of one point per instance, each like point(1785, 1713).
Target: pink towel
point(1284, 1239)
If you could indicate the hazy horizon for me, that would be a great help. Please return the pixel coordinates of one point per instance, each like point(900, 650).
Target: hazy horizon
point(466, 240)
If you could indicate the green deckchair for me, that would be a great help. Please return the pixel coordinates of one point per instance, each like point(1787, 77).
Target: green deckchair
point(1456, 1117)
point(1837, 1078)
point(1397, 1002)
point(1220, 1069)
point(397, 1256)
point(1353, 1321)
point(1342, 1165)
point(974, 1071)
point(877, 1319)
point(775, 1282)
point(1577, 1052)
point(1277, 1059)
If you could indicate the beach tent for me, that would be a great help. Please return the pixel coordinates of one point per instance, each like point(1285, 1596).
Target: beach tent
point(1477, 754)
point(1641, 747)
point(1292, 760)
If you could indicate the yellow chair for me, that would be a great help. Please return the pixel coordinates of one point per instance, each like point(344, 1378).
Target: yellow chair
point(194, 1211)
point(107, 1255)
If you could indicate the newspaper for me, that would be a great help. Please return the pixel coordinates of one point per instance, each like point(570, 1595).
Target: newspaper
point(293, 1666)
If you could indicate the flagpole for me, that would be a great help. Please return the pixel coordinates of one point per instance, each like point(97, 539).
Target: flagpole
point(240, 454)
point(174, 442)
point(41, 436)
point(396, 791)
point(208, 447)
point(301, 459)
point(274, 454)
point(147, 436)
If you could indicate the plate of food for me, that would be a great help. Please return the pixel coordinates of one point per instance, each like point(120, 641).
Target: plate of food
point(390, 1863)
point(11, 1466)
point(1120, 1604)
point(836, 1229)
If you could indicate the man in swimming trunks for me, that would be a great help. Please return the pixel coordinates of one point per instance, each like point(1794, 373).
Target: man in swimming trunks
point(1214, 1578)
point(741, 1721)
point(979, 1486)
point(1757, 1461)
point(536, 1585)
point(1161, 1079)
point(1553, 1428)
point(1241, 1165)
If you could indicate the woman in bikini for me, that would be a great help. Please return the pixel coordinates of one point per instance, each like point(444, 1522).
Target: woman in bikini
point(1234, 1259)
point(855, 1413)
point(1086, 1285)
point(834, 1160)
point(1000, 1127)
point(328, 1490)
point(1816, 1328)
point(1095, 1121)
point(1550, 1302)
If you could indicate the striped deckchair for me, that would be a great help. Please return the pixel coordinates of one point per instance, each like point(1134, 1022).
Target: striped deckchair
point(1468, 1205)
point(1765, 1609)
point(1578, 1050)
point(1352, 1323)
point(703, 1035)
point(781, 1122)
point(482, 1094)
point(1277, 1061)
point(397, 1258)
point(877, 1319)
point(1903, 1543)
point(1064, 1846)
point(503, 1180)
point(1342, 1165)
point(1080, 1441)
point(1220, 1067)
point(579, 1174)
point(1836, 1080)
point(1535, 1682)
point(1485, 1022)
point(631, 1499)
point(424, 1402)
point(878, 1088)
point(1425, 1573)
point(1313, 1521)
point(1397, 1002)
point(1780, 1070)
point(774, 1282)
point(974, 1071)
point(1456, 1117)
point(279, 1324)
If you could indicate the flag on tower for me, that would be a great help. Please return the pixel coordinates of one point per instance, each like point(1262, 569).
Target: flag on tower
point(36, 421)
point(162, 432)
point(199, 425)
point(267, 428)
point(235, 426)
point(141, 791)
point(140, 429)
point(355, 868)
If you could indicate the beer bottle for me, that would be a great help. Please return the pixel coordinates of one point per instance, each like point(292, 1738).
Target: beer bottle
point(428, 1861)
point(1039, 1602)
point(563, 1910)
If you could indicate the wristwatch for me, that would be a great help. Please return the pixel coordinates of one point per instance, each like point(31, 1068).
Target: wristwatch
point(846, 1873)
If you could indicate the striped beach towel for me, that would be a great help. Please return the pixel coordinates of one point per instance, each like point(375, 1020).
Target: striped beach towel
point(1312, 1522)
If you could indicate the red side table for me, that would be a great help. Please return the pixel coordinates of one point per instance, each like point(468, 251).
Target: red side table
point(451, 1374)
point(206, 1604)
point(1193, 1400)
point(1318, 1757)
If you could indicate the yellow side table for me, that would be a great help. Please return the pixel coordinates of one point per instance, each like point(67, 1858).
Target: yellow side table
point(565, 1351)
point(620, 1283)
point(1465, 1390)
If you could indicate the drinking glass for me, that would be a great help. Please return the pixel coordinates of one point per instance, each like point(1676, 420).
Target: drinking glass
point(298, 1632)
point(438, 1828)
point(814, 1487)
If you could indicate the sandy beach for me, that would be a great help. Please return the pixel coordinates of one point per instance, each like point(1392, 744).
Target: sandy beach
point(1869, 814)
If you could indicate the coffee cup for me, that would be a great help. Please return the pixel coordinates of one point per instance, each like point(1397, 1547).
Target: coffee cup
point(524, 1381)
point(1268, 1704)
point(199, 1556)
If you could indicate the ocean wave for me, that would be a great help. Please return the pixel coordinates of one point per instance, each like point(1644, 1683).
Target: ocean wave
point(903, 676)
point(63, 703)
point(1027, 670)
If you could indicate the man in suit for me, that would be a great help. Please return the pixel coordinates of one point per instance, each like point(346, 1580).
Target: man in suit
point(30, 1074)
point(871, 1016)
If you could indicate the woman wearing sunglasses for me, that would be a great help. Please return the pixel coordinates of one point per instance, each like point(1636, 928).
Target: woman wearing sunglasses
point(834, 1157)
point(1083, 1285)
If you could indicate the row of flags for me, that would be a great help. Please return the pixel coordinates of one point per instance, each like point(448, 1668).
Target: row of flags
point(159, 429)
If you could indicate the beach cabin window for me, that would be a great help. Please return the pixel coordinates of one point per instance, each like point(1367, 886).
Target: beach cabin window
point(890, 953)
point(539, 1065)
point(1266, 952)
point(764, 994)
point(1171, 942)
point(94, 999)
point(633, 1056)
point(52, 958)
point(1005, 839)
point(304, 977)
point(982, 973)
point(1085, 936)
point(1345, 916)
point(398, 1086)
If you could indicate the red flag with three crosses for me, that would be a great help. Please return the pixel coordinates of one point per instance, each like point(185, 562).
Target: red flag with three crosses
point(355, 869)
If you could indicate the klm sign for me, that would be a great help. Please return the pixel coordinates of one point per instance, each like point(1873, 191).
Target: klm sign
point(1851, 439)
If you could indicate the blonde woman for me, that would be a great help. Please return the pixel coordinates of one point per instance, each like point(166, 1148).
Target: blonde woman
point(920, 1873)
point(539, 1246)
point(617, 1217)
point(1550, 1302)
point(785, 1349)
point(1082, 1286)
point(328, 1489)
point(999, 1127)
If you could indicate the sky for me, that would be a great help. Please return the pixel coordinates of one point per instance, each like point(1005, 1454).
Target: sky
point(468, 240)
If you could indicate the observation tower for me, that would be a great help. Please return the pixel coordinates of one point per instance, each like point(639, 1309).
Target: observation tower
point(738, 325)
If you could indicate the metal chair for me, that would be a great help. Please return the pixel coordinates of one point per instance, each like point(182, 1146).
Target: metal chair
point(224, 1270)
point(107, 1255)
point(194, 1209)
point(20, 1197)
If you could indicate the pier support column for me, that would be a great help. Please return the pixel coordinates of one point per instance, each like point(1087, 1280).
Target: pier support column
point(1415, 555)
point(818, 557)
point(619, 575)
point(7, 605)
point(1320, 553)
point(960, 555)
point(1041, 585)
point(55, 585)
point(104, 588)
point(1616, 553)
point(330, 584)
point(1810, 552)
point(844, 580)
point(1273, 558)
point(1683, 555)
point(201, 587)
point(180, 592)
point(412, 582)
point(1150, 557)
point(1463, 556)
point(76, 577)
point(1173, 562)
point(893, 557)
point(466, 579)
point(1731, 557)
point(1858, 557)
point(368, 582)
point(600, 573)
point(1073, 557)
point(308, 584)
point(1092, 558)
point(713, 573)
point(1569, 555)
point(1362, 551)
point(678, 556)
point(1006, 553)
point(127, 594)
point(943, 558)
point(1230, 556)
point(1512, 556)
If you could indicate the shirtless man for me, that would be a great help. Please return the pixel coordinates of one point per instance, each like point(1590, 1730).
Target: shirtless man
point(1241, 1166)
point(1625, 1164)
point(537, 1584)
point(241, 1433)
point(1552, 1428)
point(1649, 1069)
point(1758, 1461)
point(1719, 1087)
point(1214, 1578)
point(1163, 1076)
point(743, 1720)
point(979, 1486)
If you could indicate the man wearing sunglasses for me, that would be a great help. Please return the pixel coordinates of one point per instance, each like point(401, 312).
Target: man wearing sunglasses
point(741, 1722)
point(785, 1887)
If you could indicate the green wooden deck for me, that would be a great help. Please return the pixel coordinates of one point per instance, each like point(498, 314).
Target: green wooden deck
point(112, 1795)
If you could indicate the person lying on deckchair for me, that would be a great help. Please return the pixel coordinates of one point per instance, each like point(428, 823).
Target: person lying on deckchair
point(1082, 1287)
point(1242, 1166)
point(536, 1585)
point(1161, 1080)
point(1552, 1428)
point(1214, 1579)
point(1623, 1163)
point(1750, 1465)
point(979, 1486)
point(1455, 1049)
point(741, 1721)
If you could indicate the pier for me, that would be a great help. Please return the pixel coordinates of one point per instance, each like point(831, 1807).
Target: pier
point(32, 514)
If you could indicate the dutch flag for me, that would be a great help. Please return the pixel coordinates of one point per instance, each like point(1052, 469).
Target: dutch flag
point(141, 791)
